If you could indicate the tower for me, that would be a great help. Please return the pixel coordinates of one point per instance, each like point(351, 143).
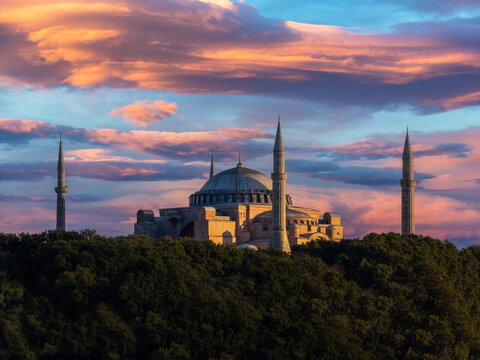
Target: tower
point(61, 189)
point(212, 167)
point(408, 188)
point(279, 202)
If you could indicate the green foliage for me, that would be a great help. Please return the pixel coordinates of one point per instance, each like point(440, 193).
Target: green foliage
point(69, 295)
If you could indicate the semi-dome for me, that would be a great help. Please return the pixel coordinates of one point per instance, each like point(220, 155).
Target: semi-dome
point(238, 179)
point(291, 214)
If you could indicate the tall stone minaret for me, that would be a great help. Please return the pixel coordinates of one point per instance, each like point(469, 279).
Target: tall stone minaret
point(61, 189)
point(279, 238)
point(408, 188)
point(212, 167)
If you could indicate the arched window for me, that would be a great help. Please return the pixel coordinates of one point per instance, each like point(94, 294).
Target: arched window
point(258, 197)
point(250, 198)
point(242, 197)
point(265, 198)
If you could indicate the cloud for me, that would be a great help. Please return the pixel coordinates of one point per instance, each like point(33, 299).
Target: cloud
point(103, 155)
point(47, 199)
point(16, 131)
point(442, 6)
point(199, 47)
point(310, 166)
point(143, 113)
point(368, 176)
point(366, 210)
point(112, 171)
point(26, 171)
point(167, 144)
point(356, 175)
point(374, 148)
point(182, 145)
point(28, 198)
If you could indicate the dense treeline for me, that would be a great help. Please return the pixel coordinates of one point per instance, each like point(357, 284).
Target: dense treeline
point(82, 296)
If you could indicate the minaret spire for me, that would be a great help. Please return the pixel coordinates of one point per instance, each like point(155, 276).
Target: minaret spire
point(61, 189)
point(212, 166)
point(408, 189)
point(279, 238)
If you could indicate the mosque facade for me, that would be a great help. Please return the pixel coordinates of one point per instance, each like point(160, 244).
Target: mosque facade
point(245, 208)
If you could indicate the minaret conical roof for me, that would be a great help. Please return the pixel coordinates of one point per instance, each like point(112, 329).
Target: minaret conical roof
point(407, 149)
point(61, 165)
point(278, 138)
point(212, 167)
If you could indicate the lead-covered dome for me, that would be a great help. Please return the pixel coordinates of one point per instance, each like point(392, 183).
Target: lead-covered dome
point(237, 185)
point(238, 179)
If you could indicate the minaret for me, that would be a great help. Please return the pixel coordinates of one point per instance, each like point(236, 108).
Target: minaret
point(61, 189)
point(212, 167)
point(408, 188)
point(279, 238)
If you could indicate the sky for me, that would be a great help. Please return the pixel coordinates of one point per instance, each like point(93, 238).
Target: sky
point(142, 90)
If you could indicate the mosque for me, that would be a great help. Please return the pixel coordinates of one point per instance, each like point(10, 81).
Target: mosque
point(245, 208)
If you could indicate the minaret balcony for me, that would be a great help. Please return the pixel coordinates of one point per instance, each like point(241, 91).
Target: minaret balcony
point(61, 189)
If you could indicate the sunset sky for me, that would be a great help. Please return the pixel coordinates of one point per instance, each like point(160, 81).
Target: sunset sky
point(143, 89)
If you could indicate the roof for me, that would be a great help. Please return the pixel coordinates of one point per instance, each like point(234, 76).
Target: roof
point(331, 213)
point(407, 149)
point(278, 138)
point(247, 246)
point(291, 214)
point(238, 179)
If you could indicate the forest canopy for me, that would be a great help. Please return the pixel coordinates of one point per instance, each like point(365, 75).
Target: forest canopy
point(79, 295)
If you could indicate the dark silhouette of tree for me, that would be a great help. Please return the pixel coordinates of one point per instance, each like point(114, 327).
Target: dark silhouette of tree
point(70, 295)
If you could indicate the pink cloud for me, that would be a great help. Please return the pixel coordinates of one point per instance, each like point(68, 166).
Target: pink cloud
point(103, 155)
point(21, 126)
point(366, 210)
point(446, 204)
point(225, 140)
point(143, 113)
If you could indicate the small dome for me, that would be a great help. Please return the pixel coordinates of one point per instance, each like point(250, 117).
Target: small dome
point(238, 179)
point(330, 227)
point(293, 225)
point(247, 246)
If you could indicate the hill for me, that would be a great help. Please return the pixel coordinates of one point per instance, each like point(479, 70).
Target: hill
point(83, 296)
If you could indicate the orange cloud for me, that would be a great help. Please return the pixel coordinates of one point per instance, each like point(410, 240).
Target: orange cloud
point(218, 46)
point(143, 113)
point(103, 155)
point(456, 102)
point(225, 140)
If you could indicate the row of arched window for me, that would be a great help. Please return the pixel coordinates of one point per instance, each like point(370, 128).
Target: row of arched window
point(256, 198)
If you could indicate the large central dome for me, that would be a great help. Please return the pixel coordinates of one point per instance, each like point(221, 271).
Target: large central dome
point(237, 185)
point(238, 179)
